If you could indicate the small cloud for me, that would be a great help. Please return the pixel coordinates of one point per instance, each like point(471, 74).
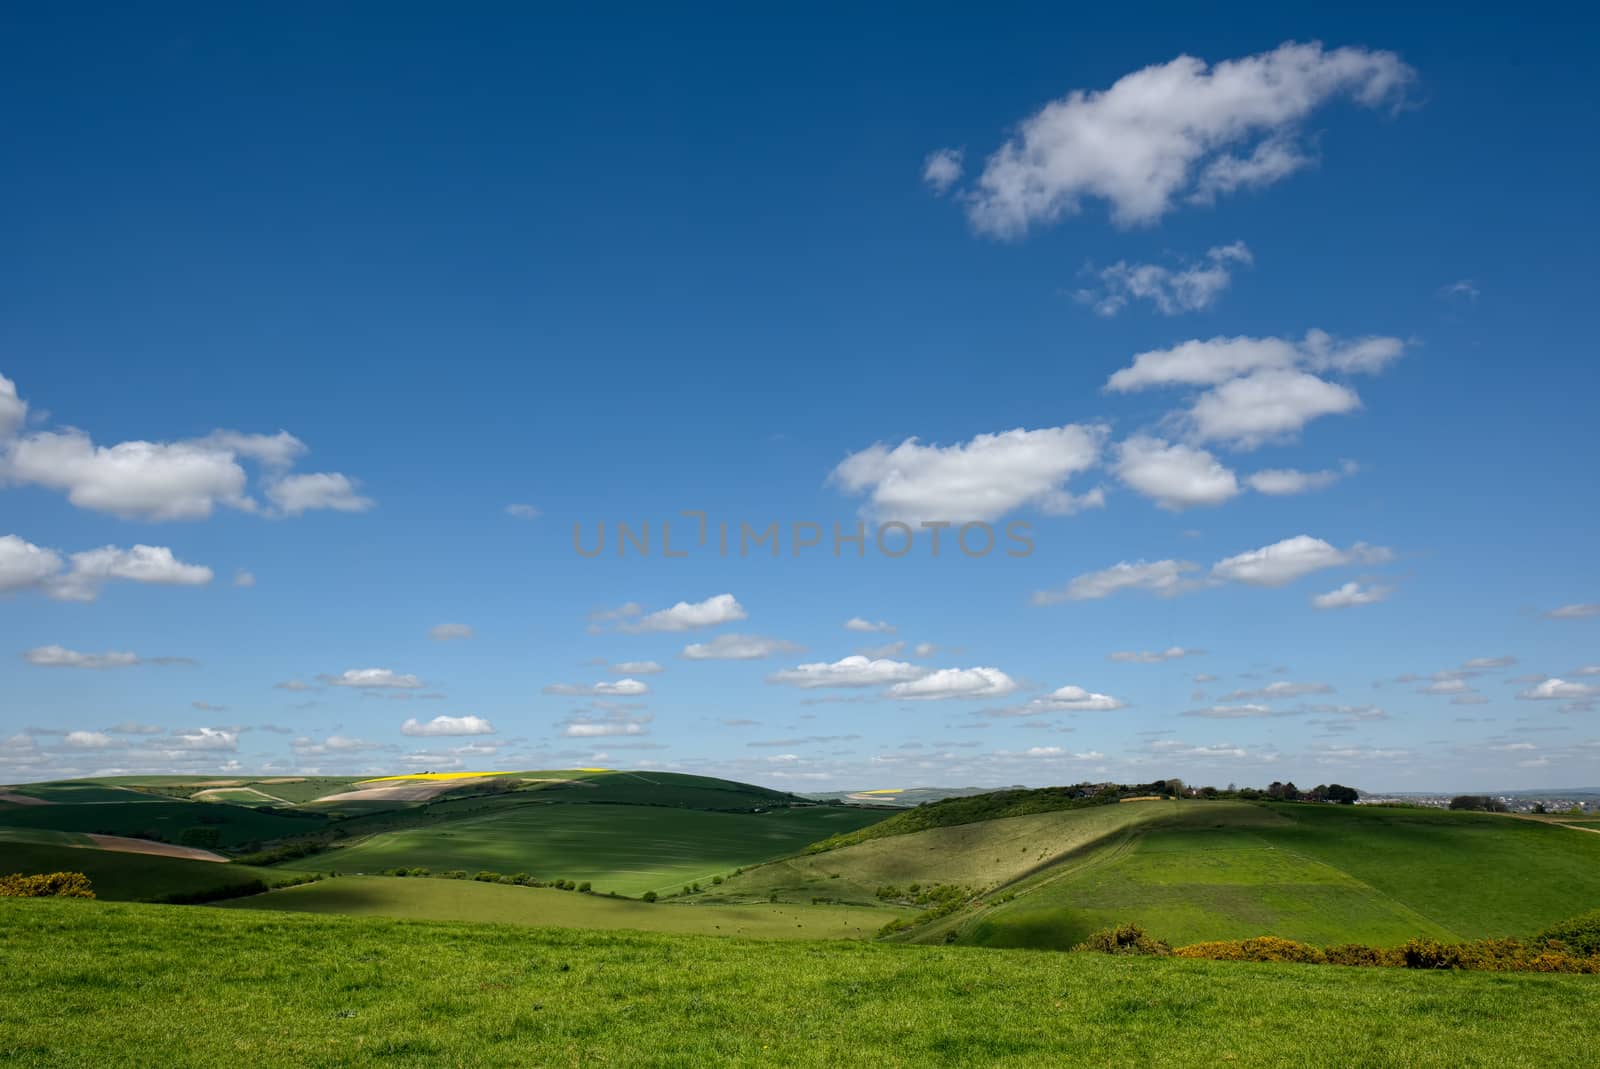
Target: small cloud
point(244, 578)
point(447, 725)
point(450, 632)
point(856, 623)
point(942, 169)
point(522, 511)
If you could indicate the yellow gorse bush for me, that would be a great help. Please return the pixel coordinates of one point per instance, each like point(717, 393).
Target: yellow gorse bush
point(46, 885)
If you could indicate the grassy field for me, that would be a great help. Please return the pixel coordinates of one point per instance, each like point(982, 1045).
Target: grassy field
point(167, 819)
point(978, 856)
point(113, 985)
point(1222, 870)
point(628, 849)
point(468, 900)
point(130, 877)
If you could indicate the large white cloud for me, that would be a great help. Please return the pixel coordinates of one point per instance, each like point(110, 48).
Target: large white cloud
point(738, 648)
point(977, 480)
point(1164, 577)
point(1173, 130)
point(1213, 361)
point(25, 566)
point(447, 725)
point(956, 683)
point(150, 480)
point(854, 671)
point(1284, 562)
point(687, 615)
point(1175, 477)
point(1265, 406)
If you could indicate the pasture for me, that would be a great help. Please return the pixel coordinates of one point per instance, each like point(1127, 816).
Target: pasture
point(117, 985)
point(468, 900)
point(628, 849)
point(130, 877)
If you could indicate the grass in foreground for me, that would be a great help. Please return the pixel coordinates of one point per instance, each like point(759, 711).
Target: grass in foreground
point(104, 984)
point(468, 900)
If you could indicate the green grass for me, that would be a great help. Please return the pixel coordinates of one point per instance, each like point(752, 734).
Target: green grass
point(469, 900)
point(129, 877)
point(166, 819)
point(979, 855)
point(112, 985)
point(1321, 874)
point(76, 793)
point(628, 849)
point(971, 809)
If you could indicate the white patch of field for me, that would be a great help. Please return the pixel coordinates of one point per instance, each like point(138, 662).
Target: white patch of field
point(23, 799)
point(145, 846)
point(235, 794)
point(390, 791)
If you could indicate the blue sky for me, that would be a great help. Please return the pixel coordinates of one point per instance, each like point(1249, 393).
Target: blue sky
point(302, 303)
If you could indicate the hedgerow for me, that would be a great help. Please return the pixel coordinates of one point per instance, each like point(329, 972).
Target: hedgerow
point(46, 885)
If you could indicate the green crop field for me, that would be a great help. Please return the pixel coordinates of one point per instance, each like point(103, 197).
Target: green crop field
point(629, 849)
point(114, 985)
point(469, 900)
point(160, 818)
point(1220, 870)
point(130, 877)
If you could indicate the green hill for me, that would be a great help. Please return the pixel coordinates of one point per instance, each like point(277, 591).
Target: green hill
point(135, 877)
point(627, 848)
point(114, 985)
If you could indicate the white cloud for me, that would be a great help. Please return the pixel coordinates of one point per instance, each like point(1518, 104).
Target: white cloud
point(956, 683)
point(1446, 686)
point(686, 616)
point(1204, 363)
point(1231, 712)
point(856, 623)
point(613, 724)
point(136, 480)
point(209, 739)
point(24, 565)
point(450, 632)
point(375, 679)
point(1279, 482)
point(522, 511)
point(622, 688)
point(1560, 689)
point(182, 480)
point(447, 725)
point(1461, 288)
point(637, 668)
point(1284, 562)
point(1173, 130)
point(244, 578)
point(332, 745)
point(977, 480)
point(1479, 664)
point(13, 409)
point(1574, 612)
point(854, 671)
point(942, 169)
point(1164, 577)
point(295, 494)
point(1351, 594)
point(1175, 477)
point(90, 740)
point(1074, 699)
point(1265, 406)
point(1172, 653)
point(738, 648)
point(1188, 288)
point(61, 657)
point(1280, 689)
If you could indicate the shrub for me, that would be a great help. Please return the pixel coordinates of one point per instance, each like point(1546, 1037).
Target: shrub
point(487, 877)
point(1260, 948)
point(46, 885)
point(1580, 934)
point(1358, 954)
point(1124, 939)
point(649, 896)
point(585, 887)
